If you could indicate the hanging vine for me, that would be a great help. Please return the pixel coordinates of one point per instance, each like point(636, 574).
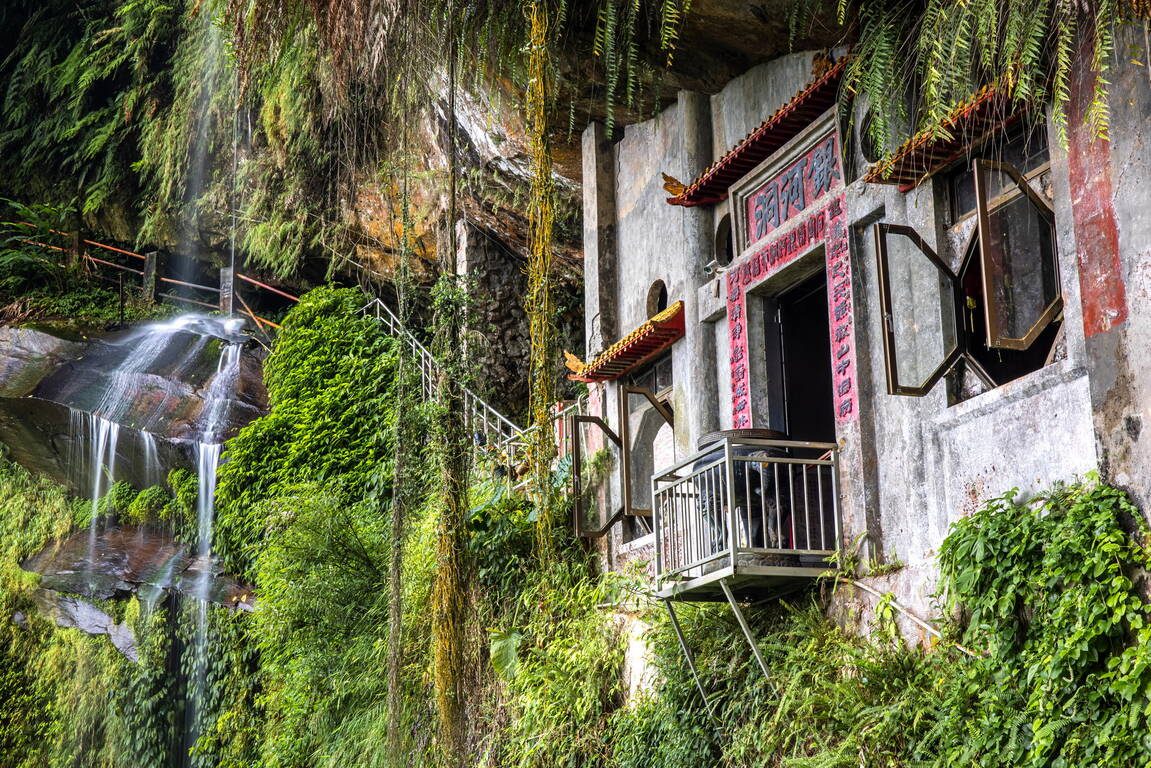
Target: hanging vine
point(449, 608)
point(914, 62)
point(404, 488)
point(538, 302)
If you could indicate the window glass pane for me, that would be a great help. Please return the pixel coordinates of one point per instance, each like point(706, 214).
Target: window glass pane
point(1019, 256)
point(1026, 150)
point(922, 311)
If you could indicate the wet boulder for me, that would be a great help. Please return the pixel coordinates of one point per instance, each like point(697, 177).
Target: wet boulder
point(71, 612)
point(116, 561)
point(29, 355)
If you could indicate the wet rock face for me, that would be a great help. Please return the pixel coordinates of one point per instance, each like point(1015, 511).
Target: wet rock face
point(128, 560)
point(44, 437)
point(152, 381)
point(154, 378)
point(27, 356)
point(71, 612)
point(124, 561)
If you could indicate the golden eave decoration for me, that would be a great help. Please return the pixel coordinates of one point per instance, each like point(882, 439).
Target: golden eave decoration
point(785, 124)
point(989, 111)
point(633, 350)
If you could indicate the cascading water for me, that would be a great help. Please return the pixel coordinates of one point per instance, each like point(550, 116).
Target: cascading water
point(182, 378)
point(152, 470)
point(101, 436)
point(217, 401)
point(200, 150)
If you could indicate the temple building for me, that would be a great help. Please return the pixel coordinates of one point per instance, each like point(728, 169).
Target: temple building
point(797, 346)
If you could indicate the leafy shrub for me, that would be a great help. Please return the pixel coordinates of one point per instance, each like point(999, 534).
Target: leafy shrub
point(501, 534)
point(329, 379)
point(148, 506)
point(117, 500)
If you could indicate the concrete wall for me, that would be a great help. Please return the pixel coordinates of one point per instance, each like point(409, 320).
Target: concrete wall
point(1115, 177)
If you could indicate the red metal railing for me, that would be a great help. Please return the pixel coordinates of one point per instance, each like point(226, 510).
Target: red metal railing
point(261, 322)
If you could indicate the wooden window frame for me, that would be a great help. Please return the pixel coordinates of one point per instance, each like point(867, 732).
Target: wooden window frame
point(996, 338)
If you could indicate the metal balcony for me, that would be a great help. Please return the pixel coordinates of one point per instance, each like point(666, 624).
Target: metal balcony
point(747, 515)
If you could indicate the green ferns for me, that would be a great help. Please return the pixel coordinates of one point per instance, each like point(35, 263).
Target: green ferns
point(915, 62)
point(1046, 591)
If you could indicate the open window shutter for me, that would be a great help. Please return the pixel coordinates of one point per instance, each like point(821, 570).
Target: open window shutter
point(1021, 288)
point(919, 295)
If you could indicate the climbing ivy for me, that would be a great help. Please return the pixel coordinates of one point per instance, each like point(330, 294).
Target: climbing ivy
point(1046, 590)
point(1047, 587)
point(328, 381)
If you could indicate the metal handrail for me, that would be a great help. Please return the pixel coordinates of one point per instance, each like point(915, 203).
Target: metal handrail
point(772, 507)
point(501, 431)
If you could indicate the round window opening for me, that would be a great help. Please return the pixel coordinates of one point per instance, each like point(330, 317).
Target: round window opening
point(656, 298)
point(724, 248)
point(867, 145)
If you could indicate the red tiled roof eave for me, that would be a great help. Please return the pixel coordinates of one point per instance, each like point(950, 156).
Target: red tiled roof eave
point(636, 348)
point(990, 110)
point(712, 185)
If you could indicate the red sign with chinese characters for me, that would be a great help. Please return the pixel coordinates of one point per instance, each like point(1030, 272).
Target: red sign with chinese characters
point(800, 221)
point(789, 194)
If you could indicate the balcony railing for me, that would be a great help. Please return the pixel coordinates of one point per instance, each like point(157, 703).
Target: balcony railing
point(746, 506)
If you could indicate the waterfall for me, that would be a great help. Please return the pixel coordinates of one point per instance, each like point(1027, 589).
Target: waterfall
point(153, 471)
point(101, 435)
point(200, 149)
point(144, 349)
point(217, 401)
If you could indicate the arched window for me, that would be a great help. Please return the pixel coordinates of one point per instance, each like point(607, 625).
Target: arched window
point(656, 298)
point(724, 246)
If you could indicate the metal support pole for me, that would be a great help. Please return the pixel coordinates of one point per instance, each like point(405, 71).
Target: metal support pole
point(689, 657)
point(746, 629)
point(657, 526)
point(625, 447)
point(76, 239)
point(227, 289)
point(729, 494)
point(148, 283)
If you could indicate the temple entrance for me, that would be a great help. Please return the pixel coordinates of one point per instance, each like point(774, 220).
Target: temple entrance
point(801, 400)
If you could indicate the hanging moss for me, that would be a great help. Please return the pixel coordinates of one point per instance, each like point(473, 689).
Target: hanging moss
point(947, 51)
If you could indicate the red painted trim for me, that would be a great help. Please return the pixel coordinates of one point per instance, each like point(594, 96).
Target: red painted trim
point(1101, 286)
point(827, 225)
point(786, 123)
point(635, 349)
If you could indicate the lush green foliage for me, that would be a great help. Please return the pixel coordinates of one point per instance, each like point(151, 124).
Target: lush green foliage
point(36, 281)
point(328, 380)
point(67, 699)
point(1028, 49)
point(1043, 588)
point(1046, 590)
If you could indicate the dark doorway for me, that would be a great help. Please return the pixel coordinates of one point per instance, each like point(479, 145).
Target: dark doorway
point(802, 404)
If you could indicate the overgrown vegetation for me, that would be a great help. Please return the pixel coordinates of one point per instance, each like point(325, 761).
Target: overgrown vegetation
point(39, 281)
point(1046, 590)
point(916, 62)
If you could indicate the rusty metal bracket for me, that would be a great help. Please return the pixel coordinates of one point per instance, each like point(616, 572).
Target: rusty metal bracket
point(597, 533)
point(574, 421)
point(582, 419)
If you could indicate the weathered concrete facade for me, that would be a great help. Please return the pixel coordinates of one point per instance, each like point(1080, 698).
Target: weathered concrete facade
point(909, 466)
